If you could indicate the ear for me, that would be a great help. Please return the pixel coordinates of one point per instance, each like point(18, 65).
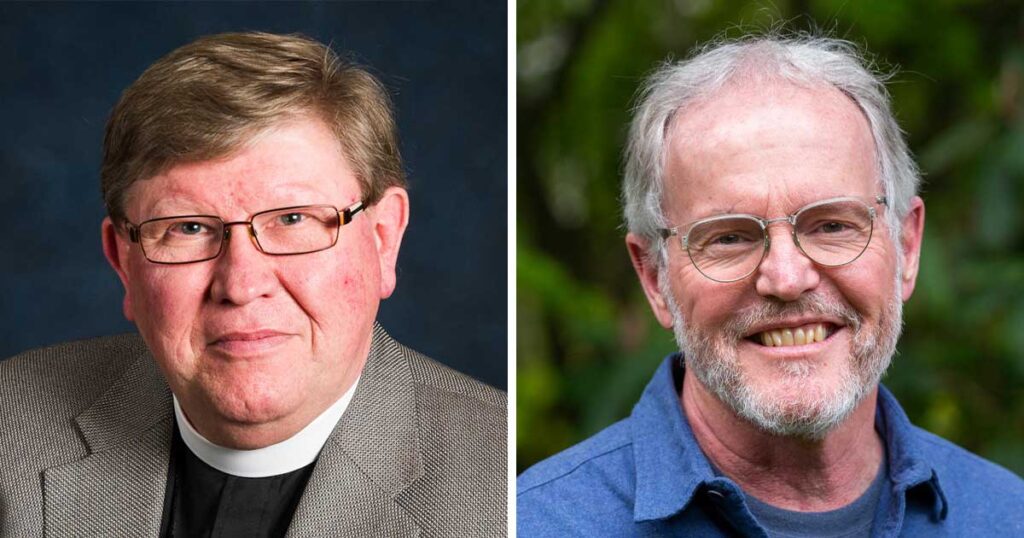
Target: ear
point(911, 236)
point(648, 272)
point(390, 217)
point(115, 248)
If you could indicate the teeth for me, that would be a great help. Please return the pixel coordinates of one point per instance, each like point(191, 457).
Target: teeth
point(798, 336)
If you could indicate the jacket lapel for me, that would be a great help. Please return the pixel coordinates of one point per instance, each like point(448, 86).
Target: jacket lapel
point(372, 457)
point(118, 489)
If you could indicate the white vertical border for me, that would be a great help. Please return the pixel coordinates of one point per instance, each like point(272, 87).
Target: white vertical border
point(511, 272)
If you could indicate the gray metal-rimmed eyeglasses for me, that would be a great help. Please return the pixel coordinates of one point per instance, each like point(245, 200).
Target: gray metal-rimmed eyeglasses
point(285, 231)
point(728, 248)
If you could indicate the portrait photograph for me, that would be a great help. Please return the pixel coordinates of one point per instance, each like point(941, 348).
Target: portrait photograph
point(256, 282)
point(692, 356)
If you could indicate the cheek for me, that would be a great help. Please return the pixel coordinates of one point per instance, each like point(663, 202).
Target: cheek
point(705, 303)
point(167, 301)
point(867, 284)
point(335, 292)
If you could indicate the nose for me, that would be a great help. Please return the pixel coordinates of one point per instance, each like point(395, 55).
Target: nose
point(786, 272)
point(242, 273)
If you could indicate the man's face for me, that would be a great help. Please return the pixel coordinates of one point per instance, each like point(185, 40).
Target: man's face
point(769, 151)
point(255, 346)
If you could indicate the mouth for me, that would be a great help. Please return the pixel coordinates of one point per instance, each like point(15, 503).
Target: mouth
point(247, 341)
point(798, 335)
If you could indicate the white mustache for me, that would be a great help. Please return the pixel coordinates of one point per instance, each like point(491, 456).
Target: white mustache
point(770, 310)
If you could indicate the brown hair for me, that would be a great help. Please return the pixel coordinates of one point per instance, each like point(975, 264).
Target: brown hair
point(209, 97)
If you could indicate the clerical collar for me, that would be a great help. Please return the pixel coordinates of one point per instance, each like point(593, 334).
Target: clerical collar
point(293, 453)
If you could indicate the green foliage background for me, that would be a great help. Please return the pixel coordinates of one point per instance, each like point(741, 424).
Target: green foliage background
point(587, 342)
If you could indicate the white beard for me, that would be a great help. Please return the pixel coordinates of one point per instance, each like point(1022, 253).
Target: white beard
point(713, 358)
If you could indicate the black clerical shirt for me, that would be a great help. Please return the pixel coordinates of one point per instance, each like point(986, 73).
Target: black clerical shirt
point(201, 501)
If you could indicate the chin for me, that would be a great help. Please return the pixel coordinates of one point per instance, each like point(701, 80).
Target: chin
point(802, 404)
point(245, 402)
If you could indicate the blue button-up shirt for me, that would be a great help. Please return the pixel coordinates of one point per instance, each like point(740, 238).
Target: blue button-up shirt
point(647, 476)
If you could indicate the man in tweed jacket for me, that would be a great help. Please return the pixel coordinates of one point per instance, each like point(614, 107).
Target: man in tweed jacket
point(85, 434)
point(256, 207)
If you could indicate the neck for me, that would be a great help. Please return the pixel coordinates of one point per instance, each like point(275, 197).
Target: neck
point(787, 472)
point(293, 453)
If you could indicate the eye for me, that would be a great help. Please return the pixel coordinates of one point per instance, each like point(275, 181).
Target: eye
point(189, 228)
point(728, 239)
point(833, 227)
point(724, 236)
point(290, 219)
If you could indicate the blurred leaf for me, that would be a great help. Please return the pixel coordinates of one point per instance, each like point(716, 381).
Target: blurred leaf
point(961, 141)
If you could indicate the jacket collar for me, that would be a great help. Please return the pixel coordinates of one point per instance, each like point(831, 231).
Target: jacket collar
point(365, 481)
point(671, 467)
point(118, 488)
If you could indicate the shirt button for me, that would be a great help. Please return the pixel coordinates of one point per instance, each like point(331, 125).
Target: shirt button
point(718, 496)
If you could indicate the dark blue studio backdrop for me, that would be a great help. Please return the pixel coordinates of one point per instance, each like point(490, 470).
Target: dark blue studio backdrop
point(65, 65)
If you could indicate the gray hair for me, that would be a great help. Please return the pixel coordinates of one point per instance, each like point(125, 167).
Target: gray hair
point(803, 60)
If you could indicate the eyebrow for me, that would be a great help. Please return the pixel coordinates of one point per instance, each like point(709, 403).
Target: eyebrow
point(718, 212)
point(174, 206)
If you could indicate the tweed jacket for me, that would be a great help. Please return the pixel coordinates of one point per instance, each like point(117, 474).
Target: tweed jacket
point(85, 437)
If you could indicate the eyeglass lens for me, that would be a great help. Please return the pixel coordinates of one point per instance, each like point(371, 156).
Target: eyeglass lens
point(731, 247)
point(197, 238)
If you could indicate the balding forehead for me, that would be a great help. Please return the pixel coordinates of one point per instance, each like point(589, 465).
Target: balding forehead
point(741, 110)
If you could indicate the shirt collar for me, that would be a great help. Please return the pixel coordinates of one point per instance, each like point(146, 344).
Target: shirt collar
point(669, 463)
point(671, 467)
point(293, 453)
point(909, 467)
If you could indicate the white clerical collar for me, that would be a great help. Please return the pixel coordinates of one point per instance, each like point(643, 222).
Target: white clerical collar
point(293, 453)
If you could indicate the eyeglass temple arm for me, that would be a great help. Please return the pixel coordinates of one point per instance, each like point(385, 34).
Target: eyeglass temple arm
point(133, 232)
point(882, 200)
point(350, 211)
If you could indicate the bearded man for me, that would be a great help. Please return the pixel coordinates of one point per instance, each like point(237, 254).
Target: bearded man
point(774, 225)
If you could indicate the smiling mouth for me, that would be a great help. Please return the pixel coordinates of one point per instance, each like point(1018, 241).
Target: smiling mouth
point(794, 336)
